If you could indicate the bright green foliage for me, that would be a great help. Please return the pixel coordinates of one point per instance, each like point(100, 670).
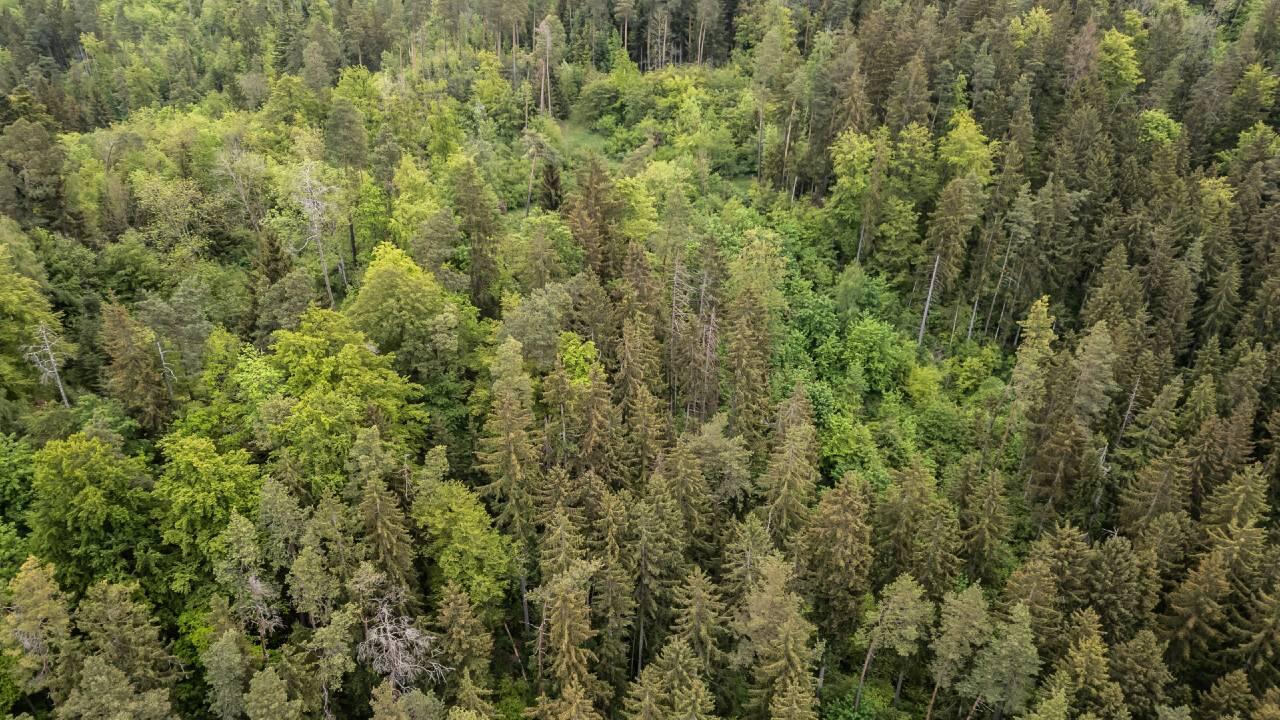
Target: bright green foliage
point(404, 310)
point(676, 359)
point(22, 308)
point(337, 385)
point(463, 543)
point(90, 514)
point(196, 495)
point(1118, 62)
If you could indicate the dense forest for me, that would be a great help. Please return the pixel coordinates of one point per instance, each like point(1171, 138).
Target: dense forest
point(640, 359)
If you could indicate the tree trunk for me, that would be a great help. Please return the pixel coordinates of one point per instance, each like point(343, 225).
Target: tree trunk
point(351, 238)
point(928, 298)
point(897, 688)
point(933, 697)
point(862, 677)
point(324, 270)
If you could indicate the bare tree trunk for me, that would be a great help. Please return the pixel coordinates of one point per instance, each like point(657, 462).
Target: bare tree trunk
point(928, 298)
point(928, 713)
point(862, 677)
point(528, 197)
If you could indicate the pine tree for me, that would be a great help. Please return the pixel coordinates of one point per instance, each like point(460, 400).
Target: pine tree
point(1033, 585)
point(959, 209)
point(984, 528)
point(1196, 612)
point(754, 300)
point(657, 547)
point(593, 214)
point(105, 692)
point(686, 693)
point(613, 595)
point(1229, 696)
point(1256, 629)
point(900, 619)
point(477, 210)
point(796, 702)
point(964, 627)
point(561, 546)
point(137, 373)
point(226, 671)
point(566, 628)
point(1124, 586)
point(1137, 665)
point(1005, 669)
point(120, 629)
point(646, 696)
point(1084, 673)
point(37, 627)
point(746, 549)
point(775, 638)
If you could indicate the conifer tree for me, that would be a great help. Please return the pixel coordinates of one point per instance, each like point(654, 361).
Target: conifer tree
point(1084, 673)
point(465, 643)
point(137, 373)
point(566, 628)
point(1137, 665)
point(1124, 586)
point(984, 528)
point(37, 627)
point(791, 477)
point(900, 619)
point(1004, 671)
point(613, 596)
point(385, 533)
point(833, 558)
point(120, 630)
point(775, 638)
point(477, 210)
point(963, 628)
point(657, 548)
point(508, 452)
point(226, 672)
point(105, 692)
point(1229, 696)
point(268, 698)
point(700, 619)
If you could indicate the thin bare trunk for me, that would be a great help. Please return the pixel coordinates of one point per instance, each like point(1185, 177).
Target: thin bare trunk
point(862, 677)
point(928, 298)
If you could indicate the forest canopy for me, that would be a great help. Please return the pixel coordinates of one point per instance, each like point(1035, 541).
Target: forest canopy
point(640, 359)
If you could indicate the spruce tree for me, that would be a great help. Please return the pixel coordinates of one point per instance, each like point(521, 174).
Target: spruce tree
point(508, 448)
point(700, 619)
point(833, 558)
